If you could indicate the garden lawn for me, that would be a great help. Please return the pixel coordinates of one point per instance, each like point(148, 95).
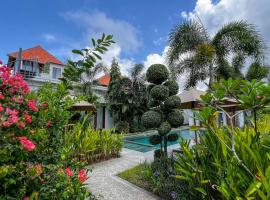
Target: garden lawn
point(136, 176)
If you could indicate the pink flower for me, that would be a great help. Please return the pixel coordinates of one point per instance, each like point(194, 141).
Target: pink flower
point(69, 172)
point(26, 198)
point(27, 118)
point(12, 112)
point(1, 107)
point(13, 119)
point(32, 105)
point(82, 175)
point(6, 124)
point(1, 96)
point(26, 143)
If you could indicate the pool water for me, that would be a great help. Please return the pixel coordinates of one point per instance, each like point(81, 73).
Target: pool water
point(141, 142)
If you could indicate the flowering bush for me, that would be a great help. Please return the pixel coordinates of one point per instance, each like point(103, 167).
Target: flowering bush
point(28, 167)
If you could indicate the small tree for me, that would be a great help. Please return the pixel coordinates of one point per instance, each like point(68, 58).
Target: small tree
point(163, 104)
point(80, 74)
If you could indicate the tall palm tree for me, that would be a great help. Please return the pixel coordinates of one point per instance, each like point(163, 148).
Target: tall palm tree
point(193, 51)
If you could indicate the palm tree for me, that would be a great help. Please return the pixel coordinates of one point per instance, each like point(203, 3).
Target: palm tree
point(193, 51)
point(138, 91)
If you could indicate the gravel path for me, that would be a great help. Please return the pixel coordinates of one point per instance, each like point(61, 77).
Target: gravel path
point(104, 183)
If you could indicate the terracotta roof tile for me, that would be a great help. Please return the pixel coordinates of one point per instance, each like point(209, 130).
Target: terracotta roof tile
point(104, 80)
point(38, 53)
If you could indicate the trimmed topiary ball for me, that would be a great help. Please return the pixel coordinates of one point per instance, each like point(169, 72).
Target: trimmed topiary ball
point(159, 92)
point(149, 87)
point(172, 102)
point(173, 87)
point(152, 103)
point(157, 74)
point(164, 128)
point(155, 139)
point(175, 118)
point(151, 119)
point(172, 137)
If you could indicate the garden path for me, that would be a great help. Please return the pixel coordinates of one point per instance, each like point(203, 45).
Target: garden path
point(105, 183)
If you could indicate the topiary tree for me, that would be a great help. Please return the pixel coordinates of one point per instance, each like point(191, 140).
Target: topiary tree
point(163, 106)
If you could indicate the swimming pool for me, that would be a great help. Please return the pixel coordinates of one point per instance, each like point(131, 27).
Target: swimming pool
point(141, 142)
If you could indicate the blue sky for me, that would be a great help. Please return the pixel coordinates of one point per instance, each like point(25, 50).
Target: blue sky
point(140, 27)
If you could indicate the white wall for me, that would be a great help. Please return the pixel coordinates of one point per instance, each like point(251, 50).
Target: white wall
point(109, 123)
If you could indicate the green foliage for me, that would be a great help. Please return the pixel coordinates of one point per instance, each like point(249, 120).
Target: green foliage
point(127, 95)
point(164, 128)
point(173, 87)
point(122, 127)
point(163, 102)
point(153, 179)
point(175, 118)
point(151, 119)
point(85, 144)
point(30, 161)
point(229, 163)
point(193, 52)
point(157, 74)
point(257, 71)
point(80, 74)
point(155, 139)
point(172, 102)
point(159, 92)
point(173, 137)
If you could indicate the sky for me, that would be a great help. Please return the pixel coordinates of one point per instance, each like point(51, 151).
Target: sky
point(140, 27)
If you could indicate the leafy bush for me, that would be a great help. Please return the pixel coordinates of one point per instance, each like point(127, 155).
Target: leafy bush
point(85, 144)
point(151, 119)
point(122, 127)
point(154, 179)
point(164, 128)
point(173, 87)
point(30, 144)
point(175, 118)
point(157, 74)
point(172, 102)
point(155, 139)
point(229, 162)
point(159, 92)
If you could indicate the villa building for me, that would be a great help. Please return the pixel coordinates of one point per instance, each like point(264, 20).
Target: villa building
point(103, 118)
point(37, 66)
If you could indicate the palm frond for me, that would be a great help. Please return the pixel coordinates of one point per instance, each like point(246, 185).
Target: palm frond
point(185, 37)
point(239, 37)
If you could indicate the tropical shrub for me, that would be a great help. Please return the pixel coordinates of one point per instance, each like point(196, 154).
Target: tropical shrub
point(229, 162)
point(82, 143)
point(122, 127)
point(27, 168)
point(163, 104)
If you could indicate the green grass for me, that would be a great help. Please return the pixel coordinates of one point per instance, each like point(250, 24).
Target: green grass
point(137, 176)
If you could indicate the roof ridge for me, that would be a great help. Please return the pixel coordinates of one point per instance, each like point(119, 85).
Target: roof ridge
point(25, 49)
point(15, 53)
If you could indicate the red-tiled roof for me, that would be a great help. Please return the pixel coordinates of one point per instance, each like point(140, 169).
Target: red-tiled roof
point(104, 80)
point(37, 53)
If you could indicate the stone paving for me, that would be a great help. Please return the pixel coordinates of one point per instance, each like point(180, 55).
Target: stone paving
point(105, 183)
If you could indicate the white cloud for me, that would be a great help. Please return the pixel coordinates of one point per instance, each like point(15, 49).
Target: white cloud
point(96, 23)
point(156, 58)
point(214, 15)
point(49, 37)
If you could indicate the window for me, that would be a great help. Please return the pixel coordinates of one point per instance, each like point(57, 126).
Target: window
point(56, 73)
point(47, 68)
